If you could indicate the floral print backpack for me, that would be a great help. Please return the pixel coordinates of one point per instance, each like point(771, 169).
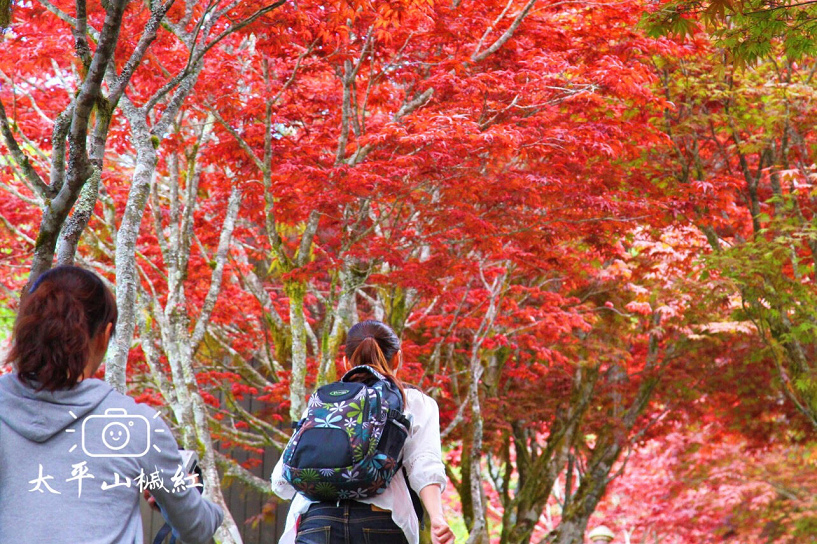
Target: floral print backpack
point(349, 443)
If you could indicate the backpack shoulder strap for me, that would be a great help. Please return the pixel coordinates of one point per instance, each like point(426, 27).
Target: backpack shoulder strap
point(391, 393)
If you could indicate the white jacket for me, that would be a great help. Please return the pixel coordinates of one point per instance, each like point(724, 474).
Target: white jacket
point(422, 458)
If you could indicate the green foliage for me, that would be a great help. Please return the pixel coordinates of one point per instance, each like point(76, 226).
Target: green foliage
point(805, 528)
point(770, 276)
point(748, 30)
point(6, 322)
point(670, 20)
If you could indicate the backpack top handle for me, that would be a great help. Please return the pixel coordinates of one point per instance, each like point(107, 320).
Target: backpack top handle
point(363, 369)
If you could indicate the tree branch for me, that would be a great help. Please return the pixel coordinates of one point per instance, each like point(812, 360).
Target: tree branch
point(492, 26)
point(58, 144)
point(148, 36)
point(227, 227)
point(79, 31)
point(232, 468)
point(59, 13)
point(409, 107)
point(197, 57)
point(480, 56)
point(242, 143)
point(307, 238)
point(43, 190)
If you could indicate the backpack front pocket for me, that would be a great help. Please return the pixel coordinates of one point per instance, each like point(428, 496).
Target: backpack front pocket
point(322, 448)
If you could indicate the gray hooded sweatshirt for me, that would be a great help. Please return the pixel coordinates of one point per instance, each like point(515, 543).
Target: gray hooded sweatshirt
point(74, 463)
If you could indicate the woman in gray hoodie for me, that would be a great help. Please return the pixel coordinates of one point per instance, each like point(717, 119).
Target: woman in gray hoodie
point(76, 455)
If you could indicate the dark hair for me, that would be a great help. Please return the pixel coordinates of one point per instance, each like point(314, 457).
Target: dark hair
point(58, 318)
point(373, 343)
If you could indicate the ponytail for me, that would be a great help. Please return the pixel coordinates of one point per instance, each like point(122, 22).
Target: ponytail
point(374, 344)
point(57, 321)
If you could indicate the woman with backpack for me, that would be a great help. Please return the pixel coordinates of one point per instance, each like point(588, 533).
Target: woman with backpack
point(76, 455)
point(387, 516)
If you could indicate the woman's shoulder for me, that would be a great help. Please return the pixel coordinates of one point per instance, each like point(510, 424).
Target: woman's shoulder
point(115, 400)
point(417, 401)
point(412, 391)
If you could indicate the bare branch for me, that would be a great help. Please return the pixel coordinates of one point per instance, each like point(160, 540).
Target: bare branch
point(191, 193)
point(195, 60)
point(232, 468)
point(27, 94)
point(406, 109)
point(291, 79)
point(492, 26)
point(346, 112)
point(409, 107)
point(151, 355)
point(21, 159)
point(227, 227)
point(260, 425)
point(11, 227)
point(79, 31)
point(148, 36)
point(307, 238)
point(457, 419)
point(126, 275)
point(253, 284)
point(156, 207)
point(350, 72)
point(61, 126)
point(75, 225)
point(480, 56)
point(59, 13)
point(242, 143)
point(17, 194)
point(89, 93)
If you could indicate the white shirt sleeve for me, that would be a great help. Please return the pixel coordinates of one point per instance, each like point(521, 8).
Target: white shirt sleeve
point(279, 485)
point(422, 453)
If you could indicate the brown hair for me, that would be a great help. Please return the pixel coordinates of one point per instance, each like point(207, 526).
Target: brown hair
point(58, 318)
point(373, 343)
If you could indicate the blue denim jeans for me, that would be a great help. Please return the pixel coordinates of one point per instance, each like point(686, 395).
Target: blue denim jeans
point(350, 522)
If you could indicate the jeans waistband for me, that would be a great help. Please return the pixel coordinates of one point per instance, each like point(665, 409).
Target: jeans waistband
point(344, 504)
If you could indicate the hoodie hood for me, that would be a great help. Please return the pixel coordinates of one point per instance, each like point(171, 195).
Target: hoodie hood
point(39, 415)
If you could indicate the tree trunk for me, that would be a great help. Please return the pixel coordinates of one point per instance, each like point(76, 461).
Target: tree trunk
point(127, 277)
point(478, 531)
point(295, 291)
point(594, 483)
point(344, 315)
point(464, 489)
